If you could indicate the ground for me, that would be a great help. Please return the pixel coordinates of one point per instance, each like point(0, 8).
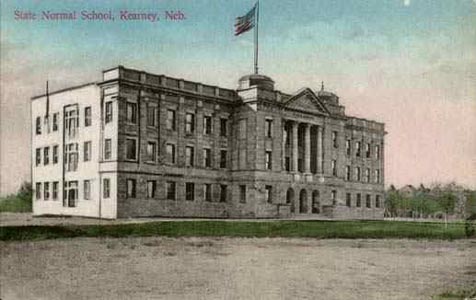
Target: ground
point(234, 268)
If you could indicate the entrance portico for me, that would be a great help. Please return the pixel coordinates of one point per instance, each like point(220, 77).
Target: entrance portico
point(303, 147)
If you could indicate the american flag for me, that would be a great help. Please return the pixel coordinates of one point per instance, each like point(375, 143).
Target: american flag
point(246, 22)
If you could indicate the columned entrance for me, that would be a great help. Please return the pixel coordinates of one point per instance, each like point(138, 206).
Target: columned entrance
point(302, 149)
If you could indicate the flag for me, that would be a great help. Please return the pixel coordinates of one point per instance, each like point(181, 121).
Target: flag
point(246, 22)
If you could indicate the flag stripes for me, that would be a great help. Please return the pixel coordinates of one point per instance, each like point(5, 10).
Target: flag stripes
point(246, 22)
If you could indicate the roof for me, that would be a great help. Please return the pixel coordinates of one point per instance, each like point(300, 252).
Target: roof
point(64, 90)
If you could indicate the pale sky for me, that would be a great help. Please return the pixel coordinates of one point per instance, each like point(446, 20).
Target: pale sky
point(408, 63)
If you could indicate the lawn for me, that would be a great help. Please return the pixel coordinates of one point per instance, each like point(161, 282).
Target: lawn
point(305, 229)
point(458, 294)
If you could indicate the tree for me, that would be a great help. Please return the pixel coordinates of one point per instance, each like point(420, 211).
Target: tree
point(391, 202)
point(25, 192)
point(470, 205)
point(470, 213)
point(447, 201)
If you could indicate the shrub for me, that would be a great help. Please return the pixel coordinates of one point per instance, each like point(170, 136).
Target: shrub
point(20, 202)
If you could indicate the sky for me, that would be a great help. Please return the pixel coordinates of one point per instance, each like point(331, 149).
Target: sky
point(408, 63)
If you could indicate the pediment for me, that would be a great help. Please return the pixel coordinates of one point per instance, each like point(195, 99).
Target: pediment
point(306, 100)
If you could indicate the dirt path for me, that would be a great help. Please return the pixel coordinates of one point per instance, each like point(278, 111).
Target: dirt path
point(225, 268)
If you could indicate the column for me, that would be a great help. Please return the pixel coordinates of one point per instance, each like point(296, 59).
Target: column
point(294, 166)
point(307, 148)
point(283, 145)
point(319, 150)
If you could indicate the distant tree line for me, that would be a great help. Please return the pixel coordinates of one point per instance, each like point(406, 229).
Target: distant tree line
point(436, 201)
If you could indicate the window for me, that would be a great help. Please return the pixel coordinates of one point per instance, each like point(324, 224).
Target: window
point(71, 193)
point(207, 158)
point(208, 192)
point(377, 176)
point(131, 188)
point(131, 112)
point(189, 191)
point(189, 156)
point(223, 155)
point(223, 190)
point(87, 151)
point(357, 173)
point(242, 159)
point(347, 173)
point(359, 196)
point(71, 120)
point(334, 139)
point(170, 149)
point(87, 116)
point(46, 191)
point(287, 163)
point(107, 149)
point(377, 201)
point(367, 201)
point(334, 167)
point(71, 157)
point(242, 129)
point(207, 125)
point(55, 154)
point(242, 193)
point(367, 175)
point(55, 190)
point(151, 188)
point(38, 191)
point(38, 156)
point(106, 189)
point(151, 151)
point(151, 115)
point(38, 125)
point(189, 123)
point(268, 157)
point(367, 150)
point(46, 155)
point(131, 149)
point(334, 197)
point(269, 194)
point(223, 127)
point(87, 189)
point(347, 147)
point(170, 119)
point(300, 166)
point(55, 121)
point(377, 151)
point(170, 190)
point(269, 128)
point(357, 148)
point(348, 200)
point(108, 117)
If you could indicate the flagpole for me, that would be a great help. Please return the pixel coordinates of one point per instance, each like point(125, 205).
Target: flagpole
point(256, 37)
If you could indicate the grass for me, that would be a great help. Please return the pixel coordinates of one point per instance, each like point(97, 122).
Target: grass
point(306, 229)
point(15, 203)
point(457, 294)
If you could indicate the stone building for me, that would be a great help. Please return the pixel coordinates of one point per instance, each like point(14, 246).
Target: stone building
point(138, 144)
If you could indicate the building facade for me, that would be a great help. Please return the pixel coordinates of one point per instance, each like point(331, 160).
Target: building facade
point(137, 144)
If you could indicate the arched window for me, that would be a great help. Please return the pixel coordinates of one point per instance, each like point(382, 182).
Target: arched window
point(316, 205)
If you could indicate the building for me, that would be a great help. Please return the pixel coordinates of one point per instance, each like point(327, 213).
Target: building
point(138, 144)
